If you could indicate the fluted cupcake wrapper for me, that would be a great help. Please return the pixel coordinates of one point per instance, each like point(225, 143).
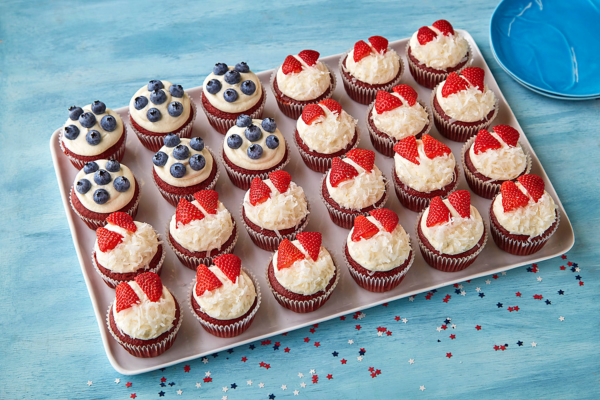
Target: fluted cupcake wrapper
point(321, 164)
point(431, 79)
point(79, 164)
point(222, 125)
point(415, 203)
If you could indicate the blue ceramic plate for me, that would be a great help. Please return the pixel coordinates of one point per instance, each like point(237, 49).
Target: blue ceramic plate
point(549, 45)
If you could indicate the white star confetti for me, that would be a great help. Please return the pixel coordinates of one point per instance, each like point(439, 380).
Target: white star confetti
point(411, 361)
point(362, 315)
point(533, 344)
point(300, 375)
point(224, 398)
point(207, 373)
point(312, 371)
point(405, 320)
point(453, 326)
point(350, 341)
point(359, 358)
point(283, 387)
point(561, 318)
point(225, 389)
point(380, 333)
point(198, 385)
point(296, 393)
point(577, 269)
point(205, 360)
point(460, 286)
point(487, 282)
point(411, 299)
point(303, 384)
point(249, 383)
point(117, 380)
point(539, 278)
point(439, 329)
point(503, 272)
point(478, 289)
point(422, 388)
point(261, 385)
point(90, 383)
point(463, 293)
point(179, 392)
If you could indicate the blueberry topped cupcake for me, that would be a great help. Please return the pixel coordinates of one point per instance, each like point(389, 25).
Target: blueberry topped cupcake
point(229, 92)
point(160, 108)
point(92, 133)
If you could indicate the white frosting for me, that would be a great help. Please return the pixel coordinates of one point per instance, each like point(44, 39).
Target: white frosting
point(402, 121)
point(308, 84)
point(359, 192)
point(230, 300)
point(442, 52)
point(207, 234)
point(505, 163)
point(328, 134)
point(468, 105)
point(166, 123)
point(116, 201)
point(429, 175)
point(243, 102)
point(239, 156)
point(306, 277)
point(281, 211)
point(191, 177)
point(80, 145)
point(135, 251)
point(148, 319)
point(382, 252)
point(456, 236)
point(374, 69)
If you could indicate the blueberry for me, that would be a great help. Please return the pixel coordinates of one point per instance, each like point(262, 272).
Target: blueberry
point(101, 196)
point(255, 151)
point(197, 162)
point(232, 77)
point(253, 133)
point(160, 159)
point(75, 112)
point(234, 141)
point(243, 121)
point(87, 120)
point(175, 109)
point(197, 143)
point(83, 186)
point(154, 115)
point(98, 107)
point(248, 87)
point(213, 86)
point(90, 167)
point(158, 96)
point(178, 170)
point(113, 166)
point(155, 85)
point(272, 142)
point(181, 152)
point(108, 123)
point(269, 125)
point(171, 140)
point(230, 95)
point(140, 102)
point(121, 184)
point(242, 67)
point(176, 91)
point(93, 137)
point(71, 132)
point(220, 68)
point(102, 177)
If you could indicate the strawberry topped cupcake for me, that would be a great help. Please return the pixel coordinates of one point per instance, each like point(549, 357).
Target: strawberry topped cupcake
point(451, 233)
point(302, 274)
point(523, 216)
point(301, 80)
point(323, 132)
point(352, 187)
point(433, 52)
point(423, 169)
point(274, 209)
point(493, 157)
point(369, 67)
point(463, 105)
point(394, 116)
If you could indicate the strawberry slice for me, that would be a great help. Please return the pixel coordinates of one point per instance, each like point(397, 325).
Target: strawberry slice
point(534, 185)
point(281, 180)
point(425, 35)
point(259, 191)
point(363, 229)
point(341, 171)
point(386, 101)
point(206, 280)
point(122, 220)
point(125, 297)
point(310, 57)
point(187, 212)
point(387, 218)
point(444, 26)
point(407, 148)
point(512, 197)
point(208, 199)
point(438, 213)
point(311, 241)
point(461, 201)
point(332, 105)
point(107, 240)
point(288, 254)
point(291, 65)
point(475, 76)
point(434, 148)
point(311, 112)
point(453, 84)
point(408, 93)
point(379, 43)
point(230, 265)
point(508, 134)
point(361, 50)
point(364, 158)
point(151, 285)
point(484, 141)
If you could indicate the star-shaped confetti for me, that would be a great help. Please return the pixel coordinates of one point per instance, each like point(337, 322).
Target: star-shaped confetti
point(198, 385)
point(117, 380)
point(90, 383)
point(422, 388)
point(561, 318)
point(411, 361)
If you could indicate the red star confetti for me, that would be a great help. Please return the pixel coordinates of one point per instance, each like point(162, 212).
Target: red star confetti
point(163, 379)
point(128, 384)
point(277, 344)
point(562, 267)
point(385, 304)
point(186, 368)
point(389, 333)
point(495, 276)
point(496, 347)
point(503, 347)
point(287, 349)
point(371, 369)
point(580, 283)
point(357, 327)
point(343, 318)
point(312, 330)
point(449, 355)
point(563, 257)
point(329, 376)
point(381, 329)
point(444, 327)
point(453, 336)
point(265, 342)
point(317, 344)
point(518, 294)
point(208, 379)
point(306, 340)
point(343, 361)
point(133, 396)
point(397, 318)
point(244, 359)
point(570, 264)
point(284, 334)
point(315, 379)
point(456, 285)
point(478, 327)
point(538, 296)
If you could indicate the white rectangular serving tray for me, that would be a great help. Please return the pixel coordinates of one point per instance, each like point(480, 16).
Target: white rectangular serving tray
point(272, 319)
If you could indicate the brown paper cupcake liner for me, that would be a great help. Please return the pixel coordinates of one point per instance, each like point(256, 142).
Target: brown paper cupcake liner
point(431, 79)
point(79, 164)
point(222, 125)
point(415, 203)
point(321, 164)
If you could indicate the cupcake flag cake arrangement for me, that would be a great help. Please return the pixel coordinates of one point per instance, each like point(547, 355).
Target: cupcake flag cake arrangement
point(523, 216)
point(158, 109)
point(394, 116)
point(229, 92)
point(302, 274)
point(92, 133)
point(325, 131)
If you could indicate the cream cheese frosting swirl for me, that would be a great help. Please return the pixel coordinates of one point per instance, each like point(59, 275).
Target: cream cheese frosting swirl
point(116, 200)
point(359, 192)
point(442, 52)
point(191, 176)
point(468, 105)
point(374, 69)
point(244, 102)
point(80, 146)
point(402, 121)
point(166, 123)
point(328, 134)
point(239, 156)
point(505, 163)
point(429, 175)
point(306, 85)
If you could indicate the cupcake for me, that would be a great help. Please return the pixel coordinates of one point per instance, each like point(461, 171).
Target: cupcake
point(253, 148)
point(300, 81)
point(92, 133)
point(433, 52)
point(423, 169)
point(201, 230)
point(183, 167)
point(145, 317)
point(492, 158)
point(394, 116)
point(323, 132)
point(101, 188)
point(302, 274)
point(523, 216)
point(274, 209)
point(229, 92)
point(158, 109)
point(352, 187)
point(378, 251)
point(125, 248)
point(463, 105)
point(224, 297)
point(451, 233)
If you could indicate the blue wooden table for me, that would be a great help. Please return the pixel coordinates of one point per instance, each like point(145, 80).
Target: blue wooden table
point(494, 341)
